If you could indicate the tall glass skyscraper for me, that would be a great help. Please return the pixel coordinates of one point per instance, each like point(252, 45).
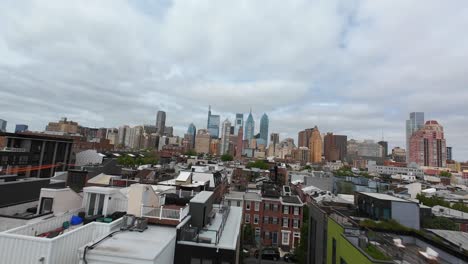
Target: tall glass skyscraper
point(264, 121)
point(415, 123)
point(192, 131)
point(161, 122)
point(213, 124)
point(226, 131)
point(239, 122)
point(249, 127)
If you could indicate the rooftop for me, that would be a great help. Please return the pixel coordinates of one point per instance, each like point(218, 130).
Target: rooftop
point(132, 246)
point(202, 197)
point(457, 238)
point(382, 196)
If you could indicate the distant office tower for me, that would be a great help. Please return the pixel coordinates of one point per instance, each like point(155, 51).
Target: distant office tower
point(304, 137)
point(274, 138)
point(113, 136)
point(122, 135)
point(264, 122)
point(415, 123)
point(63, 126)
point(21, 128)
point(335, 147)
point(3, 124)
point(192, 131)
point(225, 132)
point(428, 146)
point(301, 154)
point(249, 127)
point(240, 143)
point(239, 122)
point(169, 131)
point(203, 141)
point(315, 146)
point(161, 122)
point(213, 124)
point(365, 148)
point(384, 145)
point(449, 153)
point(135, 137)
point(399, 154)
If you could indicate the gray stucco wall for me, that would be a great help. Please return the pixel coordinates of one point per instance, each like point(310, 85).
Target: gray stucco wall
point(406, 214)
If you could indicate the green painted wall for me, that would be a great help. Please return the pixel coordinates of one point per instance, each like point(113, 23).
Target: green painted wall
point(344, 248)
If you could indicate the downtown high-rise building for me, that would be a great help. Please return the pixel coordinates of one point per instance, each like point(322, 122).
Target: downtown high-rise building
point(315, 146)
point(3, 125)
point(240, 143)
point(213, 124)
point(413, 124)
point(225, 133)
point(21, 128)
point(203, 141)
point(239, 122)
point(303, 137)
point(192, 132)
point(264, 123)
point(249, 127)
point(428, 147)
point(335, 147)
point(161, 122)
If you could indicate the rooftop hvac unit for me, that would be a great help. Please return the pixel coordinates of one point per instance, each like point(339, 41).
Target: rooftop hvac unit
point(128, 222)
point(141, 224)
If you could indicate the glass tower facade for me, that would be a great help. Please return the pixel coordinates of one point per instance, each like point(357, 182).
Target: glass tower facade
point(264, 122)
point(249, 127)
point(415, 122)
point(213, 124)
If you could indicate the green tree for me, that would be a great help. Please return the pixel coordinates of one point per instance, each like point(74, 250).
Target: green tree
point(445, 174)
point(191, 152)
point(307, 167)
point(301, 250)
point(440, 223)
point(248, 235)
point(126, 161)
point(258, 164)
point(226, 157)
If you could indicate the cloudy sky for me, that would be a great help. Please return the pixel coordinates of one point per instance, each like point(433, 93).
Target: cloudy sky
point(352, 67)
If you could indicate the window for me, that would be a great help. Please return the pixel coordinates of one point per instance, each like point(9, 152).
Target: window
point(296, 210)
point(274, 238)
point(247, 205)
point(266, 220)
point(266, 206)
point(95, 203)
point(195, 261)
point(266, 235)
point(285, 209)
point(285, 237)
point(256, 219)
point(46, 205)
point(207, 261)
point(285, 222)
point(238, 203)
point(274, 220)
point(275, 207)
point(229, 202)
point(296, 223)
point(247, 218)
point(257, 206)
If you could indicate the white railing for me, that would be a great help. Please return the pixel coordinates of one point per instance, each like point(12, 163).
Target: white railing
point(19, 248)
point(44, 225)
point(164, 213)
point(182, 193)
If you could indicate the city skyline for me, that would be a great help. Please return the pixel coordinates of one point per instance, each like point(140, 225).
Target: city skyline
point(363, 75)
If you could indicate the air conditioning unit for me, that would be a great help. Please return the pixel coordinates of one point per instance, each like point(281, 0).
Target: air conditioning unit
point(128, 221)
point(141, 224)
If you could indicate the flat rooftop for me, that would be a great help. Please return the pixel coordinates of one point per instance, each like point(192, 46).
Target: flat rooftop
point(382, 196)
point(127, 246)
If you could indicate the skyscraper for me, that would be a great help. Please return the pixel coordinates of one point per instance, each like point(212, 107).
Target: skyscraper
point(161, 122)
point(213, 124)
point(225, 132)
point(415, 122)
point(335, 147)
point(202, 141)
point(21, 128)
point(304, 137)
point(428, 146)
point(239, 122)
point(315, 146)
point(3, 124)
point(249, 127)
point(192, 132)
point(384, 145)
point(449, 153)
point(240, 143)
point(264, 121)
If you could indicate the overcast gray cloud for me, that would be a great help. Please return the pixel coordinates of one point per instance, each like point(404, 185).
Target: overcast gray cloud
point(352, 67)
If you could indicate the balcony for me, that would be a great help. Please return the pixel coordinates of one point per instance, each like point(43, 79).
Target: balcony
point(166, 214)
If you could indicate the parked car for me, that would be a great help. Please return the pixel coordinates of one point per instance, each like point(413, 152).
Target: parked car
point(290, 257)
point(268, 254)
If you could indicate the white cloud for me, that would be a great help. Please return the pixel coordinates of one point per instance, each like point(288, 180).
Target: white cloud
point(353, 67)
